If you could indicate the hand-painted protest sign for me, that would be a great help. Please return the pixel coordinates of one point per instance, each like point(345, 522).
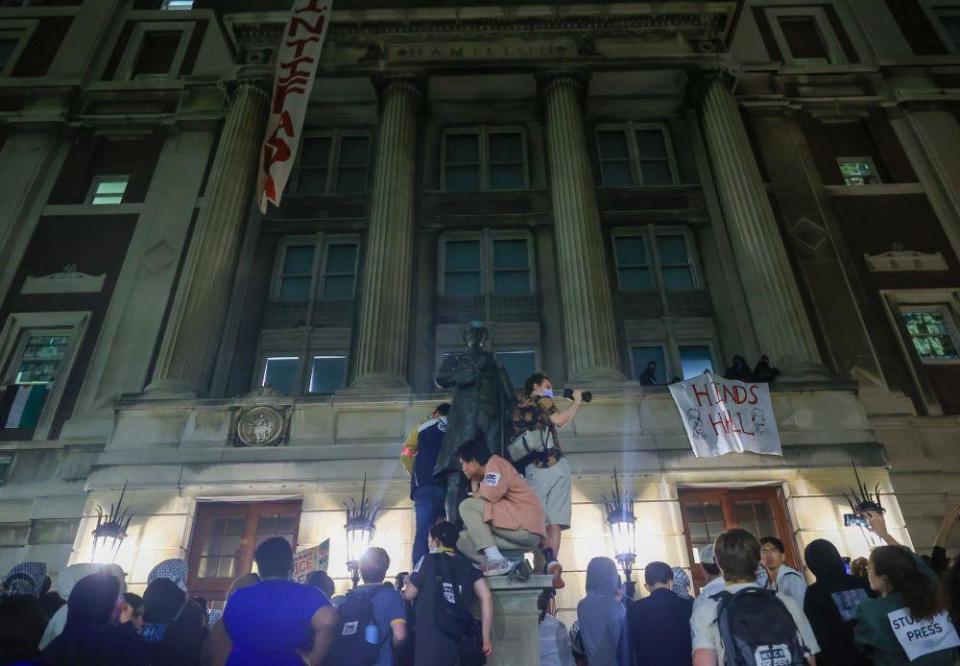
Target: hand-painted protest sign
point(923, 636)
point(725, 416)
point(306, 561)
point(297, 59)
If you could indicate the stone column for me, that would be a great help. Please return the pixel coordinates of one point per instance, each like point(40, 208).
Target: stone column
point(189, 348)
point(385, 296)
point(590, 339)
point(773, 299)
point(516, 620)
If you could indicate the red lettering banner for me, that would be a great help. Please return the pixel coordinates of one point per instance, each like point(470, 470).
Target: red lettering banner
point(297, 59)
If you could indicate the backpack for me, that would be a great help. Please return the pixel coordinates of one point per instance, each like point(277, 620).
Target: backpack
point(354, 615)
point(757, 629)
point(451, 614)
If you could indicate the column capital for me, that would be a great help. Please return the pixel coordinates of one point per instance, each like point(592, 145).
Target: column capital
point(702, 80)
point(255, 84)
point(573, 79)
point(389, 84)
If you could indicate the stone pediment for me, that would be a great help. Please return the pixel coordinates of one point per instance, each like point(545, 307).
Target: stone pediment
point(67, 281)
point(900, 260)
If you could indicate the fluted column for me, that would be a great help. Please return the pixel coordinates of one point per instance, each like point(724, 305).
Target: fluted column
point(773, 299)
point(590, 341)
point(192, 338)
point(383, 326)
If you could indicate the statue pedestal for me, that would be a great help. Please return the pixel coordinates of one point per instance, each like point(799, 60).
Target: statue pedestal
point(516, 627)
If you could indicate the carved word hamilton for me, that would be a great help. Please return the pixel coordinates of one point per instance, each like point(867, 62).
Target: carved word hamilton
point(482, 51)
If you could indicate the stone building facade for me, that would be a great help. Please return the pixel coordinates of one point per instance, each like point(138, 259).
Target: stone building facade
point(605, 184)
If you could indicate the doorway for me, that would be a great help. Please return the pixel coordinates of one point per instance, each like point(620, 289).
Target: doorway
point(707, 512)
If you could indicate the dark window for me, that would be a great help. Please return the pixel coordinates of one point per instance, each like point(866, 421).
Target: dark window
point(328, 374)
point(157, 51)
point(634, 155)
point(462, 275)
point(803, 37)
point(518, 364)
point(642, 356)
point(672, 260)
point(483, 159)
point(7, 47)
point(314, 165)
point(336, 163)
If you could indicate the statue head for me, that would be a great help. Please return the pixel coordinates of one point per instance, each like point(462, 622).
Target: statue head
point(476, 335)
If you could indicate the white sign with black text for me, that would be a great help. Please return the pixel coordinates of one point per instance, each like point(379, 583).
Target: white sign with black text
point(726, 416)
point(924, 636)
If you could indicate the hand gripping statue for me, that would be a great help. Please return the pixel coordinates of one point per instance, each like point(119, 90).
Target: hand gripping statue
point(483, 400)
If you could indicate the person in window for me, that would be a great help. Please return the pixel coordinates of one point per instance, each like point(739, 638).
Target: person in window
point(92, 635)
point(503, 512)
point(738, 370)
point(904, 583)
point(427, 489)
point(536, 450)
point(433, 647)
point(649, 375)
point(831, 605)
point(776, 575)
point(763, 372)
point(275, 620)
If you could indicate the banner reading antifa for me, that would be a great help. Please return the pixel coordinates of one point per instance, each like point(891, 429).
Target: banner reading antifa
point(725, 416)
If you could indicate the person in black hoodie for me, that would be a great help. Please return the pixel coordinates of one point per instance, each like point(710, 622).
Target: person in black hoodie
point(831, 605)
point(173, 625)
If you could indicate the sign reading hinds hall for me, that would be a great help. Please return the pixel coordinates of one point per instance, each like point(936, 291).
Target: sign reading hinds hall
point(610, 187)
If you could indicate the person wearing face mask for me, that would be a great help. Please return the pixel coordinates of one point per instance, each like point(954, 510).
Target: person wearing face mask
point(536, 450)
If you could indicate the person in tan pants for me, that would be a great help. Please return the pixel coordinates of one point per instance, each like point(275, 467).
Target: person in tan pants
point(502, 513)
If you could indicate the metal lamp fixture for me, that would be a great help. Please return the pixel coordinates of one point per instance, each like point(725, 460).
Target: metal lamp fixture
point(110, 531)
point(361, 519)
point(623, 527)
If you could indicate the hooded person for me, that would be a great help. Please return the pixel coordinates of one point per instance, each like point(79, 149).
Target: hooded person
point(91, 636)
point(602, 616)
point(831, 605)
point(66, 580)
point(173, 570)
point(173, 626)
point(26, 578)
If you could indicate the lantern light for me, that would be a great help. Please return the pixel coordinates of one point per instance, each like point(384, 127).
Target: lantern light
point(623, 527)
point(361, 519)
point(110, 531)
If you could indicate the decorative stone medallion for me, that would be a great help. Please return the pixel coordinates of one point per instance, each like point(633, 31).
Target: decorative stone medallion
point(261, 426)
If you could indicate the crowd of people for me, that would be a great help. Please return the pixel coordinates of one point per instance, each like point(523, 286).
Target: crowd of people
point(763, 372)
point(752, 609)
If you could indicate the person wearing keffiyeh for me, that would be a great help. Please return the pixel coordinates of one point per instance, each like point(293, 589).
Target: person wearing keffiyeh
point(681, 583)
point(173, 570)
point(26, 578)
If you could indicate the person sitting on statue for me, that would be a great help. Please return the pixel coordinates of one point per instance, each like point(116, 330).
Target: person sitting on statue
point(502, 513)
point(536, 450)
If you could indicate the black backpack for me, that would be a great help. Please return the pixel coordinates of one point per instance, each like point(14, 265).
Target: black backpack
point(451, 614)
point(354, 615)
point(757, 629)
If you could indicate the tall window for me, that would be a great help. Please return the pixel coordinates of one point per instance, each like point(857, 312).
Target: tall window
point(804, 35)
point(156, 49)
point(14, 35)
point(484, 158)
point(932, 332)
point(316, 269)
point(650, 258)
point(35, 366)
point(519, 365)
point(949, 20)
point(335, 162)
point(635, 155)
point(289, 375)
point(486, 263)
point(7, 49)
point(157, 53)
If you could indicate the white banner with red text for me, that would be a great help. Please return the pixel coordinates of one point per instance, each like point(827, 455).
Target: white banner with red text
point(726, 416)
point(297, 59)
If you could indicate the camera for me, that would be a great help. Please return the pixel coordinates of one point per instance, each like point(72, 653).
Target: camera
point(568, 394)
point(854, 519)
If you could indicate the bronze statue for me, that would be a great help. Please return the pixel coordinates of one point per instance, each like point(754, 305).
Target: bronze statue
point(483, 400)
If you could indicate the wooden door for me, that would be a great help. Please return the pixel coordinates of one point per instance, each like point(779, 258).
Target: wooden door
point(225, 536)
point(708, 511)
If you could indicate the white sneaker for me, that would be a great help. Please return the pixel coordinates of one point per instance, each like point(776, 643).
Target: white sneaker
point(497, 567)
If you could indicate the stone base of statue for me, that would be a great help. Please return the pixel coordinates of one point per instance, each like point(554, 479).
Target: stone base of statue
point(516, 620)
